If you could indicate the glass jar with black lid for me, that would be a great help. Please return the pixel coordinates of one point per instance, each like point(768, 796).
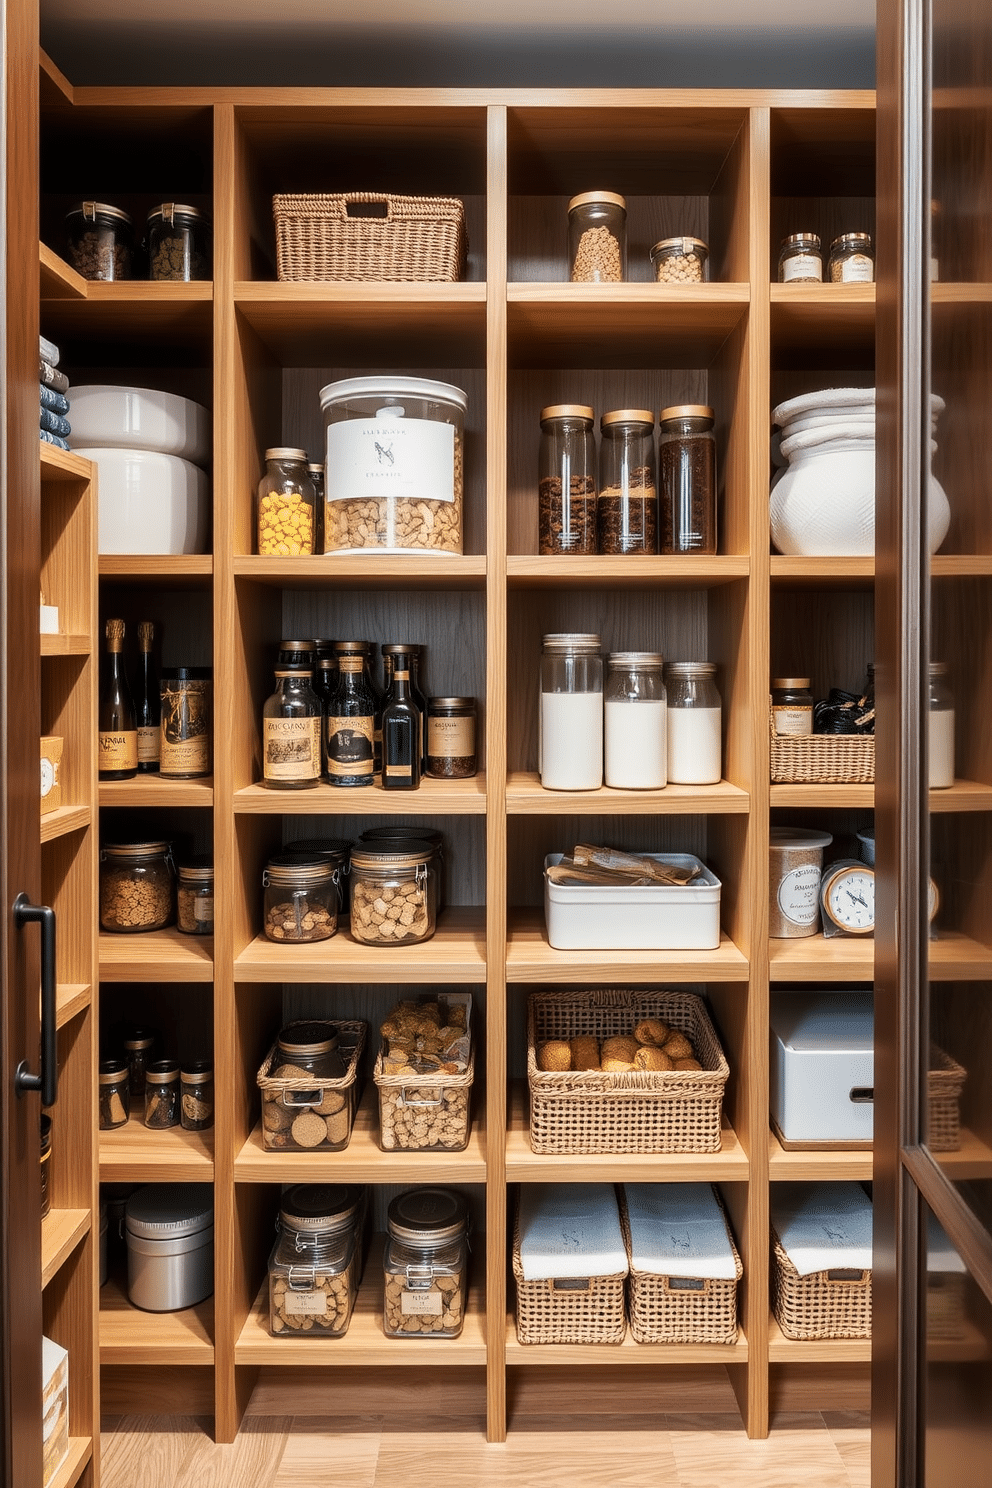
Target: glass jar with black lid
point(393, 891)
point(302, 898)
point(178, 242)
point(403, 832)
point(315, 1264)
point(308, 1099)
point(101, 241)
point(139, 1044)
point(425, 1264)
point(291, 721)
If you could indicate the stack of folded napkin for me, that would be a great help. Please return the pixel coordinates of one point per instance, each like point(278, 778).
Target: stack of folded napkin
point(54, 385)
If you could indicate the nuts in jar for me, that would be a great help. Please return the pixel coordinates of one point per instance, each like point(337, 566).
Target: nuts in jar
point(301, 899)
point(424, 1074)
point(679, 261)
point(315, 1264)
point(100, 238)
point(597, 238)
point(425, 1264)
point(308, 1085)
point(177, 243)
point(195, 896)
point(136, 887)
point(393, 892)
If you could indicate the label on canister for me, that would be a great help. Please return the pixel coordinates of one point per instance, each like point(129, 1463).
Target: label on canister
point(422, 1304)
point(292, 749)
point(858, 269)
point(185, 756)
point(799, 895)
point(791, 721)
point(450, 738)
point(395, 459)
point(203, 908)
point(305, 1304)
point(802, 266)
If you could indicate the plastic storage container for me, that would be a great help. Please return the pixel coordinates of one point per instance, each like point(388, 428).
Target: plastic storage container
point(395, 466)
point(567, 480)
point(169, 1230)
point(597, 238)
point(137, 887)
point(638, 918)
point(425, 1265)
point(178, 243)
point(101, 241)
point(315, 1265)
point(393, 891)
point(822, 1067)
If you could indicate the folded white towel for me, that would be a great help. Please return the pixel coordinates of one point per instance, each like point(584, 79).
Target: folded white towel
point(678, 1229)
point(569, 1230)
point(823, 1226)
point(941, 1256)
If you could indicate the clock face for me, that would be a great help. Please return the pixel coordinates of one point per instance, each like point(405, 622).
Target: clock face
point(849, 900)
point(933, 900)
point(47, 776)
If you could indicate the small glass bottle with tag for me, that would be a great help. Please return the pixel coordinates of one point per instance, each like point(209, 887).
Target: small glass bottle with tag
point(425, 1264)
point(291, 733)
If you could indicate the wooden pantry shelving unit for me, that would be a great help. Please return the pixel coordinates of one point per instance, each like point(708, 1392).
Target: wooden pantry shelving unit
point(738, 168)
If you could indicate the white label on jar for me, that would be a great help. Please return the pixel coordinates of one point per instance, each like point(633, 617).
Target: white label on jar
point(792, 719)
point(941, 748)
point(858, 269)
point(799, 895)
point(306, 1304)
point(292, 749)
point(148, 745)
point(802, 266)
point(399, 459)
point(450, 738)
point(203, 907)
point(422, 1304)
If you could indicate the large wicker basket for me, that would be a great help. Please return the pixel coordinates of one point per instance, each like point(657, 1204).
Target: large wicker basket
point(945, 1081)
point(673, 1309)
point(827, 1304)
point(821, 759)
point(570, 1310)
point(409, 238)
point(589, 1112)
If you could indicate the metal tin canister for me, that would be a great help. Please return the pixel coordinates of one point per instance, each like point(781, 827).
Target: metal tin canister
point(795, 860)
point(169, 1228)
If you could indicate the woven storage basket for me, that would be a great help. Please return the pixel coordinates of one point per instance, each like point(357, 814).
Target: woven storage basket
point(417, 238)
point(827, 1304)
point(821, 759)
point(670, 1309)
point(285, 1093)
point(945, 1306)
point(588, 1111)
point(945, 1081)
point(585, 1310)
point(445, 1101)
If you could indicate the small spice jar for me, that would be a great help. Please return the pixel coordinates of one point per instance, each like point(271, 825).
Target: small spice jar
point(291, 722)
point(114, 1093)
point(597, 238)
point(195, 896)
point(286, 506)
point(178, 243)
point(792, 706)
point(196, 1095)
point(636, 721)
point(627, 506)
point(687, 478)
point(941, 729)
point(795, 861)
point(138, 1046)
point(137, 887)
point(162, 1094)
point(570, 720)
point(46, 1165)
point(393, 891)
point(800, 259)
point(680, 261)
point(186, 743)
point(852, 260)
point(425, 1264)
point(567, 480)
point(301, 899)
point(451, 738)
point(101, 240)
point(695, 748)
point(316, 1263)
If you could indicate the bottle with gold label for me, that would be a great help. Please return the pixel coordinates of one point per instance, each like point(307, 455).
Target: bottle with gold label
point(402, 725)
point(118, 728)
point(291, 732)
point(149, 709)
point(350, 720)
point(185, 739)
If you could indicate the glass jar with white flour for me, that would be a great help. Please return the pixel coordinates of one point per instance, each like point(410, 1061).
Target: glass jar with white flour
point(941, 739)
point(570, 719)
point(636, 721)
point(695, 752)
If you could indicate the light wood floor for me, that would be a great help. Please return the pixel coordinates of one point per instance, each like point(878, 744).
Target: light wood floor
point(415, 1443)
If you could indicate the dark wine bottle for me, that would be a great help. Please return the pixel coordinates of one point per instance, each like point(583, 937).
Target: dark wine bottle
point(118, 728)
point(349, 721)
point(149, 709)
point(401, 726)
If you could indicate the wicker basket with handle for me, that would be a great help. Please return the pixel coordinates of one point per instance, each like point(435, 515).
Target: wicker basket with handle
point(587, 1309)
point(826, 1304)
point(369, 236)
point(821, 759)
point(673, 1309)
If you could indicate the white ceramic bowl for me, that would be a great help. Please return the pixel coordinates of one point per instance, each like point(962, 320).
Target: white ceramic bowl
point(104, 417)
point(150, 503)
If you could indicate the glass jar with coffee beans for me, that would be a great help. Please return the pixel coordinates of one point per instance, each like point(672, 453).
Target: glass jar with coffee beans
point(178, 243)
point(687, 478)
point(567, 480)
point(627, 509)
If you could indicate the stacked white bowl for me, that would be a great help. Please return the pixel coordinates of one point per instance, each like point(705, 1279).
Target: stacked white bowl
point(153, 496)
point(823, 490)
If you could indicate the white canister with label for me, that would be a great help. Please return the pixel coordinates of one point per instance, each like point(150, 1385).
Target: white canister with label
point(795, 861)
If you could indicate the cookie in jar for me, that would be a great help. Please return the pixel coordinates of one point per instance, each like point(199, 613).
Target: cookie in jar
point(425, 1264)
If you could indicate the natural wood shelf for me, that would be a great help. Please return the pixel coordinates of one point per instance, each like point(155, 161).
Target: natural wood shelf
point(365, 1343)
point(133, 1153)
point(61, 1232)
point(363, 1161)
point(961, 566)
point(59, 280)
point(455, 953)
point(152, 790)
point(178, 568)
point(973, 1159)
point(651, 325)
point(434, 798)
point(821, 1166)
point(830, 316)
point(62, 465)
point(157, 956)
point(953, 958)
point(350, 571)
point(523, 1165)
point(963, 795)
point(525, 796)
point(782, 1350)
point(136, 313)
point(570, 571)
point(65, 645)
point(607, 1355)
point(63, 821)
point(529, 958)
point(131, 1336)
point(970, 1348)
point(80, 1452)
point(71, 998)
point(822, 572)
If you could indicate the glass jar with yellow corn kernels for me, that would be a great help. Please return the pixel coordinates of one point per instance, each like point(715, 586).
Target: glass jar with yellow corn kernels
point(287, 507)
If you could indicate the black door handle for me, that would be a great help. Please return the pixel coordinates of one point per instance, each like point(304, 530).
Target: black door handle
point(26, 913)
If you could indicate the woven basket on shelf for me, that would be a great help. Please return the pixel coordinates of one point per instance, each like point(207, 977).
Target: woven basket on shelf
point(569, 1310)
point(828, 1304)
point(645, 1111)
point(291, 1092)
point(411, 238)
point(821, 759)
point(673, 1309)
point(945, 1081)
point(945, 1306)
point(447, 1099)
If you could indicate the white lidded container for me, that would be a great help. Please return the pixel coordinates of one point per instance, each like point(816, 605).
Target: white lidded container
point(823, 1066)
point(394, 471)
point(110, 417)
point(149, 503)
point(648, 917)
point(169, 1228)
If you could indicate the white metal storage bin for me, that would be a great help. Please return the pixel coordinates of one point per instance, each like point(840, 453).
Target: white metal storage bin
point(823, 1066)
point(645, 917)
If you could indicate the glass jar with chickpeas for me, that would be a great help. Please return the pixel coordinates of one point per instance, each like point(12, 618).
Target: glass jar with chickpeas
point(287, 506)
